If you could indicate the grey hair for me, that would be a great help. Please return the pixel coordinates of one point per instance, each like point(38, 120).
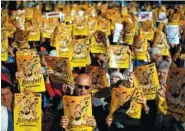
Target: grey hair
point(163, 65)
point(155, 50)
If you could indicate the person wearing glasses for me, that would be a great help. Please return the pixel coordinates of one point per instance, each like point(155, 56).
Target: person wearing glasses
point(83, 86)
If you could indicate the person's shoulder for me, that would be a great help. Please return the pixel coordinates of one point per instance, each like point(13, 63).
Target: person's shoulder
point(97, 102)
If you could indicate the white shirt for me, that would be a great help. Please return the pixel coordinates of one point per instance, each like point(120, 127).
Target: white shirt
point(4, 118)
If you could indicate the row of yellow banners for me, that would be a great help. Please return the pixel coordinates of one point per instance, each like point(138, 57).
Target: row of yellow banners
point(27, 116)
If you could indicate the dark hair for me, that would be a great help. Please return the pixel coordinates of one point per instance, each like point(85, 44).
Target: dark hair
point(4, 85)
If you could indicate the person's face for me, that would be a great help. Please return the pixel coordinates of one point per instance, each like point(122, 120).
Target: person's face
point(6, 97)
point(83, 86)
point(163, 76)
point(114, 79)
point(157, 57)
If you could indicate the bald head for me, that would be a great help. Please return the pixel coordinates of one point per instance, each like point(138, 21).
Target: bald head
point(83, 84)
point(83, 77)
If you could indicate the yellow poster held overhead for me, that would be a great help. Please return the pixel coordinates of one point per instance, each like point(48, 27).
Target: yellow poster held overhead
point(148, 79)
point(147, 29)
point(160, 41)
point(119, 56)
point(99, 78)
point(99, 42)
point(34, 30)
point(61, 69)
point(4, 46)
point(27, 112)
point(31, 68)
point(49, 26)
point(104, 25)
point(80, 26)
point(120, 96)
point(78, 109)
point(80, 55)
point(32, 52)
point(64, 45)
point(141, 48)
point(176, 93)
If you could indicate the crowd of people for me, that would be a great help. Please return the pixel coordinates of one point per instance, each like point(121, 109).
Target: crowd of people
point(53, 118)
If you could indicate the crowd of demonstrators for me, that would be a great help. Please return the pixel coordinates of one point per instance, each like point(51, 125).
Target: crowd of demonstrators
point(53, 118)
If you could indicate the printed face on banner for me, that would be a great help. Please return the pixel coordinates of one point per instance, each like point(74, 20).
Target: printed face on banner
point(99, 79)
point(176, 93)
point(78, 109)
point(148, 79)
point(4, 46)
point(80, 56)
point(122, 95)
point(119, 56)
point(27, 113)
point(61, 68)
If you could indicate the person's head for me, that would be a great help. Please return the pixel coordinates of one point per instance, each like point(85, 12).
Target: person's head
point(163, 69)
point(123, 84)
point(115, 77)
point(83, 84)
point(156, 54)
point(6, 94)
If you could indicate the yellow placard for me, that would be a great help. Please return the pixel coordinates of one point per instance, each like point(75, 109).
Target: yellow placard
point(21, 39)
point(130, 29)
point(31, 52)
point(162, 105)
point(176, 93)
point(80, 55)
point(97, 47)
point(92, 25)
point(27, 112)
point(33, 83)
point(141, 48)
point(148, 79)
point(29, 13)
point(147, 29)
point(78, 109)
point(99, 78)
point(120, 96)
point(4, 46)
point(61, 69)
point(119, 56)
point(64, 45)
point(34, 31)
point(49, 26)
point(104, 25)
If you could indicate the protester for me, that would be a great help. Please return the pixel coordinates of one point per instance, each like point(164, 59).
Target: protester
point(83, 87)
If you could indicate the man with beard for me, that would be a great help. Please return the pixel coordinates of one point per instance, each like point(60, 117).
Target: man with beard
point(97, 121)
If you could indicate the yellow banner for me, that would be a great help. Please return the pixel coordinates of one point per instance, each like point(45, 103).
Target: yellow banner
point(99, 78)
point(148, 79)
point(61, 69)
point(49, 26)
point(31, 52)
point(176, 93)
point(104, 25)
point(64, 45)
point(92, 25)
point(33, 83)
point(122, 95)
point(4, 46)
point(34, 31)
point(161, 42)
point(119, 56)
point(78, 109)
point(27, 112)
point(80, 55)
point(141, 48)
point(147, 29)
point(97, 47)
